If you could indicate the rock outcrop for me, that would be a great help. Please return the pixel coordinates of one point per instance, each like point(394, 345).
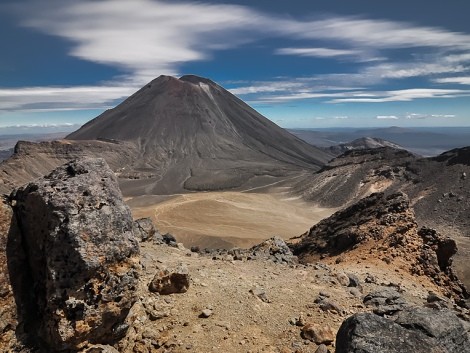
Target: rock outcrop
point(172, 281)
point(384, 227)
point(8, 317)
point(74, 257)
point(273, 249)
point(417, 330)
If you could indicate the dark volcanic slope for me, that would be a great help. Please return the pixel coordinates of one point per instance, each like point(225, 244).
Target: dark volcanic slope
point(192, 133)
point(438, 188)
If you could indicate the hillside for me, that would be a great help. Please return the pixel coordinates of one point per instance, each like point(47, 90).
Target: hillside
point(193, 134)
point(107, 284)
point(437, 187)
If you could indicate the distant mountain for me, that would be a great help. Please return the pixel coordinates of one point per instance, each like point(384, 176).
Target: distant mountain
point(179, 134)
point(191, 133)
point(362, 143)
point(423, 141)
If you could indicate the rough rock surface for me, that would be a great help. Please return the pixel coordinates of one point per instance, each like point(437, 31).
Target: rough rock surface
point(385, 227)
point(74, 255)
point(415, 330)
point(8, 317)
point(369, 333)
point(385, 301)
point(437, 187)
point(318, 334)
point(442, 325)
point(170, 281)
point(144, 230)
point(273, 249)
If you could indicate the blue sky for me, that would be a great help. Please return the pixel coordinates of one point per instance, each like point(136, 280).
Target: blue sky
point(300, 63)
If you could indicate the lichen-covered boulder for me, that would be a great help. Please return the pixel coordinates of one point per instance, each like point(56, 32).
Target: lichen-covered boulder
point(76, 255)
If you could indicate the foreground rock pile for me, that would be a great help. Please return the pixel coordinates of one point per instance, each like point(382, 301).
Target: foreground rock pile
point(384, 227)
point(274, 249)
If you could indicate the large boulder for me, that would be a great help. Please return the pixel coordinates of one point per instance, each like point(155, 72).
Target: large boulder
point(8, 317)
point(442, 325)
point(416, 330)
point(74, 255)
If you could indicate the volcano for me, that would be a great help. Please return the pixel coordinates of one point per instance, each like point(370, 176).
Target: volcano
point(190, 133)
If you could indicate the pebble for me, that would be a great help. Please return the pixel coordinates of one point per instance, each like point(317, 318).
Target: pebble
point(343, 279)
point(206, 313)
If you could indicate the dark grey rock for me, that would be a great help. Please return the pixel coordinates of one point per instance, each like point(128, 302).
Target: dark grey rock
point(169, 239)
point(76, 263)
point(386, 301)
point(443, 325)
point(369, 333)
point(274, 249)
point(353, 280)
point(416, 330)
point(145, 230)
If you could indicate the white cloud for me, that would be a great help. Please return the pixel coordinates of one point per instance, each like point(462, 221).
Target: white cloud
point(428, 116)
point(149, 37)
point(146, 38)
point(465, 80)
point(406, 95)
point(406, 70)
point(318, 52)
point(61, 98)
point(266, 87)
point(375, 34)
point(384, 117)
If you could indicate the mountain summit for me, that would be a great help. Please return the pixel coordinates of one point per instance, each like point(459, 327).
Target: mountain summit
point(191, 132)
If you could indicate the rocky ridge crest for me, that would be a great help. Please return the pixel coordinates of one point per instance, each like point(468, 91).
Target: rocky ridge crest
point(384, 227)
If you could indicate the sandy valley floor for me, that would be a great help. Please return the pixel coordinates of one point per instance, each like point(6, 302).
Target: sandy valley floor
point(228, 219)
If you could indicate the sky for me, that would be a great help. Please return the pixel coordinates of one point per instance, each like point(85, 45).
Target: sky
point(303, 64)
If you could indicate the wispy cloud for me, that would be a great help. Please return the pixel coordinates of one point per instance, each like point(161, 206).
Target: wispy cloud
point(412, 69)
point(146, 38)
point(61, 98)
point(465, 80)
point(406, 95)
point(319, 52)
point(418, 116)
point(267, 87)
point(386, 117)
point(428, 116)
point(375, 34)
